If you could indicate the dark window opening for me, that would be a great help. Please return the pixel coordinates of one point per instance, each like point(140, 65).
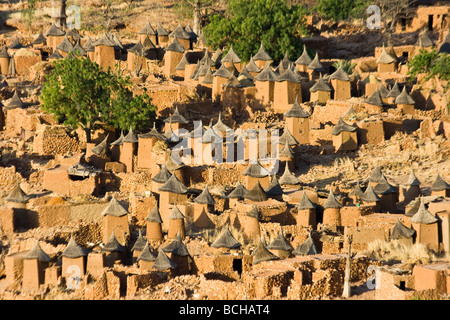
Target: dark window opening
point(403, 22)
point(430, 22)
point(405, 54)
point(237, 266)
point(402, 285)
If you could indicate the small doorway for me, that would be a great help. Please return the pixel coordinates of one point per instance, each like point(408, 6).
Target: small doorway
point(237, 266)
point(430, 22)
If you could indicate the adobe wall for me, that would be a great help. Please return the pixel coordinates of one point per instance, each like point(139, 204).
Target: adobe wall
point(87, 212)
point(52, 140)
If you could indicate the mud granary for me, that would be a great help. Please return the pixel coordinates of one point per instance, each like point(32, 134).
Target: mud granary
point(212, 197)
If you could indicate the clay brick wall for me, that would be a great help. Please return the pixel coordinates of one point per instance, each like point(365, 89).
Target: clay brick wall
point(52, 140)
point(6, 220)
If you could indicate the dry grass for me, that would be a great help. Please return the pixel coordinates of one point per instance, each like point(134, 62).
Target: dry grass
point(396, 251)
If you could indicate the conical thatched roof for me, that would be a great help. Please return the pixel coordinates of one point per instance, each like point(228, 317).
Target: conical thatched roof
point(315, 64)
point(306, 248)
point(375, 99)
point(37, 253)
point(163, 262)
point(376, 174)
point(369, 195)
point(231, 56)
point(175, 46)
point(423, 215)
point(140, 243)
point(177, 247)
point(280, 243)
point(89, 45)
point(320, 85)
point(15, 102)
point(274, 188)
point(304, 59)
point(340, 74)
point(175, 214)
point(146, 254)
point(17, 195)
point(114, 209)
point(39, 39)
point(286, 151)
point(154, 215)
point(119, 140)
point(384, 187)
point(179, 33)
point(104, 41)
point(261, 54)
point(208, 79)
point(161, 31)
point(341, 126)
point(252, 67)
point(288, 75)
point(192, 35)
point(4, 53)
point(176, 117)
point(400, 231)
point(262, 254)
point(383, 91)
point(147, 29)
point(113, 245)
point(412, 179)
point(222, 72)
point(257, 193)
point(305, 203)
point(205, 197)
point(394, 92)
point(287, 137)
point(226, 240)
point(296, 111)
point(253, 213)
point(439, 184)
point(163, 175)
point(288, 178)
point(244, 73)
point(255, 170)
point(101, 149)
point(404, 98)
point(238, 192)
point(15, 44)
point(385, 57)
point(137, 49)
point(358, 192)
point(220, 126)
point(425, 40)
point(153, 133)
point(266, 74)
point(54, 31)
point(74, 250)
point(331, 201)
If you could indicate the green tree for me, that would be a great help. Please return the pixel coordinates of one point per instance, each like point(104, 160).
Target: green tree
point(341, 9)
point(28, 12)
point(79, 93)
point(347, 65)
point(431, 64)
point(275, 23)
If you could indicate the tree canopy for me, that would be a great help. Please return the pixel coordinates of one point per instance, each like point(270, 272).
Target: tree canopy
point(246, 24)
point(79, 93)
point(432, 64)
point(341, 9)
